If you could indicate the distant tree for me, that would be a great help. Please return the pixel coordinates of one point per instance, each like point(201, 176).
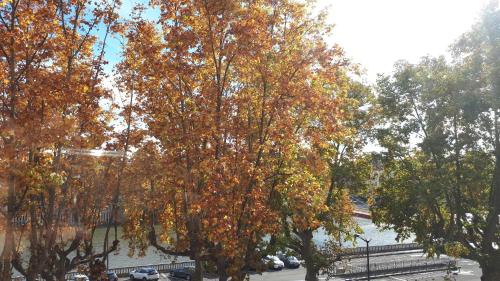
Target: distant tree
point(307, 204)
point(441, 178)
point(328, 172)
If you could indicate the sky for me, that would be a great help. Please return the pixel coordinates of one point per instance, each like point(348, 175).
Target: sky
point(377, 33)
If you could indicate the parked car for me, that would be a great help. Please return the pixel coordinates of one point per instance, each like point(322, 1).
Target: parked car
point(112, 276)
point(290, 261)
point(79, 277)
point(273, 262)
point(145, 273)
point(185, 272)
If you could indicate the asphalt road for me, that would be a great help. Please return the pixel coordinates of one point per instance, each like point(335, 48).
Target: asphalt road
point(469, 271)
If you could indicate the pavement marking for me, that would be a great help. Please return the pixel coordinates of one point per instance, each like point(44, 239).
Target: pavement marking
point(320, 278)
point(466, 272)
point(396, 278)
point(415, 255)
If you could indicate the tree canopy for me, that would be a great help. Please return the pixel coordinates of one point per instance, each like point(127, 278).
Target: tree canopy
point(51, 71)
point(441, 131)
point(232, 93)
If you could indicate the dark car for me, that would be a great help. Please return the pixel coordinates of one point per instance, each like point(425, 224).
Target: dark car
point(290, 261)
point(112, 276)
point(184, 273)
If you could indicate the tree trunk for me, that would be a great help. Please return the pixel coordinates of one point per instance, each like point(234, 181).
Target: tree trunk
point(223, 276)
point(491, 266)
point(221, 269)
point(8, 248)
point(5, 263)
point(308, 249)
point(60, 276)
point(198, 270)
point(241, 276)
point(491, 269)
point(30, 277)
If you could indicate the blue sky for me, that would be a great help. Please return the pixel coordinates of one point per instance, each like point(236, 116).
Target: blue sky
point(113, 48)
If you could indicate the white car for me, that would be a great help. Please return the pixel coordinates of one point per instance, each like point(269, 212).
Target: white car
point(145, 273)
point(79, 277)
point(274, 262)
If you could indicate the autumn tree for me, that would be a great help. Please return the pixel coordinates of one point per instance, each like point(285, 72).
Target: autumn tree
point(229, 90)
point(51, 62)
point(308, 203)
point(442, 170)
point(322, 178)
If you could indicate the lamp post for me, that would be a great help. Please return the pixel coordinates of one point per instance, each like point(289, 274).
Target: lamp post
point(367, 241)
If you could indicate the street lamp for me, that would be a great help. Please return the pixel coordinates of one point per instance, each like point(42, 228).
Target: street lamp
point(367, 241)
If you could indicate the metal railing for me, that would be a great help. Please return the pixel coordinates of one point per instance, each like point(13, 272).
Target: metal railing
point(394, 268)
point(164, 267)
point(125, 271)
point(103, 218)
point(361, 251)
